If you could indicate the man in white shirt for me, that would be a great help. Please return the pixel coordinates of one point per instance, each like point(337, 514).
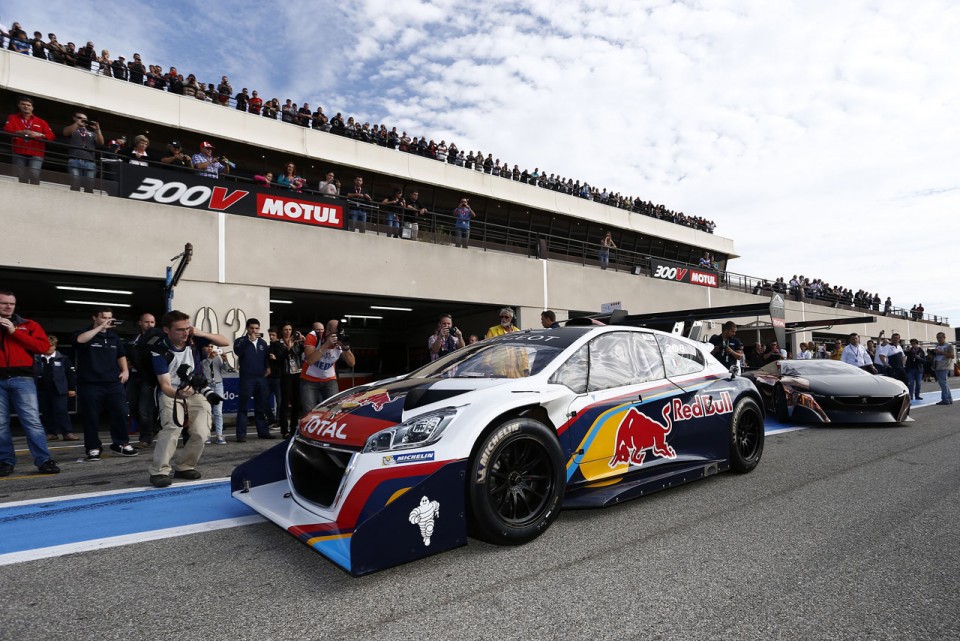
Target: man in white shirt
point(856, 354)
point(881, 358)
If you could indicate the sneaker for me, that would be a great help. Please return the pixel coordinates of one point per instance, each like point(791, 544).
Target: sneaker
point(142, 445)
point(93, 455)
point(221, 441)
point(50, 467)
point(124, 450)
point(6, 469)
point(208, 441)
point(191, 475)
point(160, 480)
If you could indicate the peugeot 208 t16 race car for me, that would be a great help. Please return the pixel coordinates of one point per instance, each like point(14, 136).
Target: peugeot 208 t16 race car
point(493, 439)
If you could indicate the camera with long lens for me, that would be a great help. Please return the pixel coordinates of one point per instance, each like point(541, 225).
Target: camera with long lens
point(190, 378)
point(342, 336)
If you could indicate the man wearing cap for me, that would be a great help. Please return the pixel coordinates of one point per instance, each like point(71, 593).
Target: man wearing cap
point(176, 157)
point(206, 164)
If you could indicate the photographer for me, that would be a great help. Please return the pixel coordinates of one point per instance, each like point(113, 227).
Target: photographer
point(286, 355)
point(176, 157)
point(446, 339)
point(84, 137)
point(207, 165)
point(102, 371)
point(213, 368)
point(252, 360)
point(321, 351)
point(174, 362)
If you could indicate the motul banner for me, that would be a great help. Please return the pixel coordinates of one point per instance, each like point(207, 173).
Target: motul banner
point(667, 270)
point(184, 188)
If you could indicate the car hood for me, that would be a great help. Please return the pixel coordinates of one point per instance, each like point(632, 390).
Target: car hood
point(350, 418)
point(852, 385)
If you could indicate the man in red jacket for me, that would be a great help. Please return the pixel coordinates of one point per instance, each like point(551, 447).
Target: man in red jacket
point(20, 340)
point(29, 133)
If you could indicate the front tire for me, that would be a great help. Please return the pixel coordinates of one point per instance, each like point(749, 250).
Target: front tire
point(517, 480)
point(746, 436)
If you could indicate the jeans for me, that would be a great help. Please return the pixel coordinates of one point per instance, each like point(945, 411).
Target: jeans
point(393, 225)
point(313, 393)
point(461, 236)
point(914, 379)
point(28, 168)
point(604, 258)
point(252, 387)
point(358, 220)
point(82, 174)
point(216, 411)
point(20, 393)
point(946, 395)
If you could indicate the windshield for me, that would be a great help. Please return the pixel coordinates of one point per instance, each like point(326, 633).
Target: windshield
point(491, 359)
point(819, 368)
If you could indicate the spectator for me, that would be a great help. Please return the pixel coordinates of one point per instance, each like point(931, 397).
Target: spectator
point(412, 210)
point(446, 339)
point(210, 94)
point(101, 373)
point(804, 352)
point(285, 357)
point(256, 103)
point(896, 360)
point(118, 69)
point(137, 70)
point(394, 206)
point(774, 353)
point(944, 358)
point(176, 350)
point(319, 120)
point(837, 353)
point(548, 319)
point(21, 340)
point(105, 66)
point(28, 141)
point(506, 324)
point(328, 186)
point(473, 339)
point(138, 154)
point(176, 157)
point(56, 382)
point(84, 137)
point(290, 179)
point(70, 55)
point(18, 39)
point(271, 108)
point(303, 115)
point(755, 357)
point(915, 359)
point(207, 165)
point(727, 348)
point(855, 354)
point(266, 179)
point(463, 214)
point(174, 82)
point(287, 111)
point(191, 87)
point(605, 246)
point(881, 355)
point(322, 350)
point(224, 91)
point(355, 202)
point(156, 77)
point(251, 351)
point(142, 384)
point(38, 46)
point(213, 368)
point(243, 100)
point(55, 49)
point(273, 381)
point(86, 56)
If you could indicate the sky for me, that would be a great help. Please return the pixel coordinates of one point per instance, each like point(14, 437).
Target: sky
point(821, 136)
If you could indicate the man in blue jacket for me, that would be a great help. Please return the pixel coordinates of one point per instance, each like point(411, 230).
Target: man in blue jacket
point(56, 382)
point(252, 352)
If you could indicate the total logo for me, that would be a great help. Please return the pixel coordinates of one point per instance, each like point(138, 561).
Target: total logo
point(321, 428)
point(638, 434)
point(215, 198)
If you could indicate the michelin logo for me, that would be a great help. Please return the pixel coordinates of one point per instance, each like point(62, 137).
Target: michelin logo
point(399, 459)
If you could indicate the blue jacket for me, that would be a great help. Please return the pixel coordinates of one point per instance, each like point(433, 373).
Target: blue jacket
point(57, 373)
point(251, 357)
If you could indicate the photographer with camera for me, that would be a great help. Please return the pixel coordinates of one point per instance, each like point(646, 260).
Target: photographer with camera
point(321, 351)
point(185, 393)
point(446, 339)
point(727, 348)
point(102, 371)
point(207, 165)
point(252, 360)
point(84, 137)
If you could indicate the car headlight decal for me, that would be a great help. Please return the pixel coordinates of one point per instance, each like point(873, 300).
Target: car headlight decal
point(420, 431)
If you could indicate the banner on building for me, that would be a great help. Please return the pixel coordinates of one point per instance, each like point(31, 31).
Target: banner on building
point(666, 270)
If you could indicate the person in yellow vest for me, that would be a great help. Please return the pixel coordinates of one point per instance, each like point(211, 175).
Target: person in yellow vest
point(506, 324)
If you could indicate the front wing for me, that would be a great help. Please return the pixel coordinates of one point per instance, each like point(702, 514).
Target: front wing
point(399, 515)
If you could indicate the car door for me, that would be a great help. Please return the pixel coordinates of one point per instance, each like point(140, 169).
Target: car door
point(621, 391)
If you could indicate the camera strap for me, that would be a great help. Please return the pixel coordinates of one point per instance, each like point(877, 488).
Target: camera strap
point(179, 402)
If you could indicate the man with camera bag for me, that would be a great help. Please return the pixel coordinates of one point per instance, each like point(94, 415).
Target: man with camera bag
point(184, 394)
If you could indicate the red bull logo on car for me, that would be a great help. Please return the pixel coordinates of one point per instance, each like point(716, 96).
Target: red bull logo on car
point(639, 434)
point(375, 398)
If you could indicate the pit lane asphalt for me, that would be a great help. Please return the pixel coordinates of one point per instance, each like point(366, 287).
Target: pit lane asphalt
point(840, 533)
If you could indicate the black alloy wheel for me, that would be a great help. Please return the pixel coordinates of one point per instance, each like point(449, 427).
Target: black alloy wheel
point(746, 436)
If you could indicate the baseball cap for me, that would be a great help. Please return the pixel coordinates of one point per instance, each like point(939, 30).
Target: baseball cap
point(205, 145)
point(175, 144)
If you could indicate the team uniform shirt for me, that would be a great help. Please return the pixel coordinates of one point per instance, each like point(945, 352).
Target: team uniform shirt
point(97, 359)
point(882, 350)
point(856, 355)
point(324, 369)
point(733, 343)
point(251, 356)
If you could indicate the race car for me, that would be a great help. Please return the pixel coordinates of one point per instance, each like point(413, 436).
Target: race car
point(828, 391)
point(492, 440)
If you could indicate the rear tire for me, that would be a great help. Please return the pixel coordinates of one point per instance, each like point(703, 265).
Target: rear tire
point(516, 484)
point(746, 436)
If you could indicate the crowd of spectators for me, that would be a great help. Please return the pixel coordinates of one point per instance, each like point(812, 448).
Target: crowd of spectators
point(222, 93)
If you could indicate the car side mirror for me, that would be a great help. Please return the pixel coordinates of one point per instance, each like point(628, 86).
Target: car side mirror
point(734, 371)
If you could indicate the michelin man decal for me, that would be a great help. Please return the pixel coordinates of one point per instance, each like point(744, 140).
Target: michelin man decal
point(424, 515)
